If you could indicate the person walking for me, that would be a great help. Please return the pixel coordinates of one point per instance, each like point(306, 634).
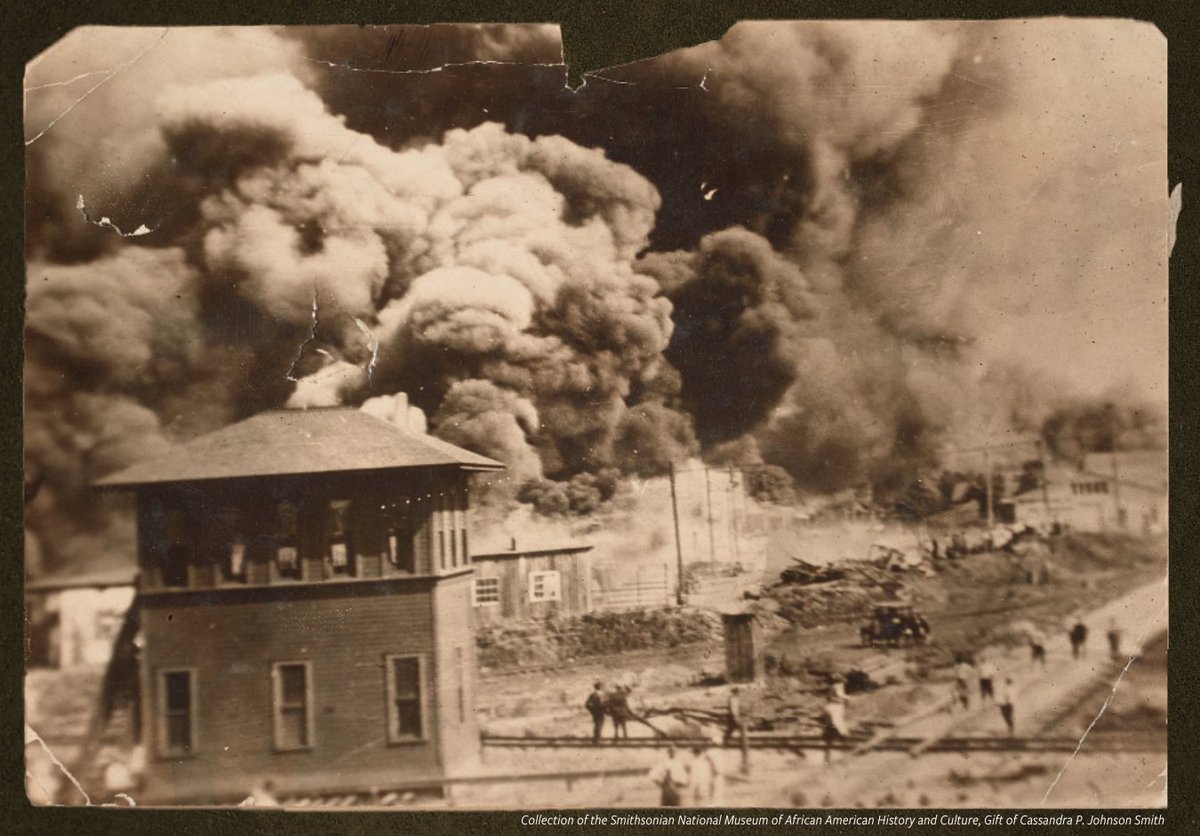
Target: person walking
point(733, 714)
point(596, 706)
point(987, 680)
point(1037, 648)
point(671, 776)
point(964, 672)
point(833, 722)
point(1006, 700)
point(1078, 637)
point(1114, 640)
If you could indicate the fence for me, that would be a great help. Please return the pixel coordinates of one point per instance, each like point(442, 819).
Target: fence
point(647, 588)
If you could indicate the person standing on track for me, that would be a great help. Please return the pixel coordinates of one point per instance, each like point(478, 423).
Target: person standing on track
point(596, 705)
point(1005, 701)
point(618, 709)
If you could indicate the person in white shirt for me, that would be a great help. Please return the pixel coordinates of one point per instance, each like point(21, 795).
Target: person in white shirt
point(671, 776)
point(703, 778)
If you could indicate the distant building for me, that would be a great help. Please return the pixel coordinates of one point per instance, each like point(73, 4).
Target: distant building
point(1126, 491)
point(73, 621)
point(305, 597)
point(529, 583)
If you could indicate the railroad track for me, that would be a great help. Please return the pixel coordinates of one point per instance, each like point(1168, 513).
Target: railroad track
point(1093, 744)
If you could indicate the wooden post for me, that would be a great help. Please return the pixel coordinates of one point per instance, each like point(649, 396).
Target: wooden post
point(679, 597)
point(1045, 479)
point(712, 538)
point(987, 464)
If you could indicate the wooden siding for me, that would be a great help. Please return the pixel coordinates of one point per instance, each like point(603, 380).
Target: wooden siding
point(513, 572)
point(345, 630)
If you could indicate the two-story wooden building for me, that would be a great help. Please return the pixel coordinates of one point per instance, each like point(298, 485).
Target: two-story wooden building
point(305, 593)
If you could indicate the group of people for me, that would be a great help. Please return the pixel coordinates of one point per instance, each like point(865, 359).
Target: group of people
point(992, 689)
point(614, 704)
point(1077, 635)
point(692, 782)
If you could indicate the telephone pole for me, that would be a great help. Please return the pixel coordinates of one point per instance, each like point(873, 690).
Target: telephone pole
point(712, 537)
point(678, 544)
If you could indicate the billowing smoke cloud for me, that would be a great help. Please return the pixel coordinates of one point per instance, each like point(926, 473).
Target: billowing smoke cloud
point(828, 247)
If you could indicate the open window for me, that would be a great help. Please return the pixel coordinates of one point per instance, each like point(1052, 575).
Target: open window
point(287, 552)
point(398, 535)
point(293, 705)
point(341, 551)
point(405, 706)
point(177, 712)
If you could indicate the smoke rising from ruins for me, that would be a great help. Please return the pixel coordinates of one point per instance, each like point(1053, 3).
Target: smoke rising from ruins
point(859, 255)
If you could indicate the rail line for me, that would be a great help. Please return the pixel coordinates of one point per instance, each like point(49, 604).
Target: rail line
point(1093, 744)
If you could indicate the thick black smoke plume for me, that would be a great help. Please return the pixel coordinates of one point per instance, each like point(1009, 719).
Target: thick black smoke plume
point(826, 247)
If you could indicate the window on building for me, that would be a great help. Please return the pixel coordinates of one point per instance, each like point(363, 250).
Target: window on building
point(293, 705)
point(399, 536)
point(486, 591)
point(340, 551)
point(287, 553)
point(175, 558)
point(235, 562)
point(405, 711)
point(544, 586)
point(177, 712)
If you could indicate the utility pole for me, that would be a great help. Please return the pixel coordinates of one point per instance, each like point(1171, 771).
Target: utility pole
point(1045, 475)
point(733, 517)
point(678, 544)
point(987, 464)
point(712, 537)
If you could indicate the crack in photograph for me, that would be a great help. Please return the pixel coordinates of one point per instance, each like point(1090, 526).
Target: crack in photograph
point(778, 422)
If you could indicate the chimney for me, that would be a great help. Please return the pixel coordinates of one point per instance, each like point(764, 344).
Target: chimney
point(400, 411)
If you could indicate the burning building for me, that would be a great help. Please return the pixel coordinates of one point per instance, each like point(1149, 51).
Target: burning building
point(305, 597)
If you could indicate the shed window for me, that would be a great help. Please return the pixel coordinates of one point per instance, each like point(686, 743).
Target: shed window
point(404, 704)
point(486, 591)
point(293, 705)
point(177, 712)
point(544, 586)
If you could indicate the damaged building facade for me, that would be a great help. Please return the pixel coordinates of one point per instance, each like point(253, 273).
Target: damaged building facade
point(305, 607)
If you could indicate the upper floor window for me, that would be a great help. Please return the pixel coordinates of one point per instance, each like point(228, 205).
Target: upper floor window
point(340, 549)
point(287, 526)
point(544, 586)
point(175, 557)
point(399, 536)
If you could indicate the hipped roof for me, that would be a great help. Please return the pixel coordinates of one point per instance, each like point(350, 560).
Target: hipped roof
point(290, 442)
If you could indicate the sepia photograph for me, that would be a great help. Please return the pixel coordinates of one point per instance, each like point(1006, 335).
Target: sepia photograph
point(778, 423)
